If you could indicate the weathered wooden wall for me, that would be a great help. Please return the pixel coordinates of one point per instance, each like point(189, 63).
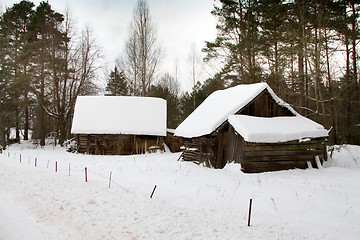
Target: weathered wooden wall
point(262, 157)
point(174, 143)
point(264, 106)
point(201, 150)
point(117, 144)
point(226, 146)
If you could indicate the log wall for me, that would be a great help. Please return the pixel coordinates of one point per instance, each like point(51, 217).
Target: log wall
point(226, 146)
point(117, 144)
point(263, 157)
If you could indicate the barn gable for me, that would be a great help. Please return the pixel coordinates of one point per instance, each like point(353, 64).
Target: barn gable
point(265, 105)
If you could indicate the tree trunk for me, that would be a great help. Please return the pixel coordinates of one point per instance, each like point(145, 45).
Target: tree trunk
point(347, 121)
point(331, 93)
point(2, 125)
point(26, 112)
point(3, 138)
point(42, 113)
point(301, 77)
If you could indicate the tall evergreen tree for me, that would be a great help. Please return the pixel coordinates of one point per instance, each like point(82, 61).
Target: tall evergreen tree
point(168, 89)
point(46, 38)
point(237, 40)
point(273, 15)
point(116, 85)
point(14, 24)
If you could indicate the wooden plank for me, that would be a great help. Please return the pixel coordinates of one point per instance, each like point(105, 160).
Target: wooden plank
point(256, 167)
point(282, 147)
point(276, 158)
point(281, 153)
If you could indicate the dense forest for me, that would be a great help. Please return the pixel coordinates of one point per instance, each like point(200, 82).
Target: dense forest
point(305, 50)
point(44, 66)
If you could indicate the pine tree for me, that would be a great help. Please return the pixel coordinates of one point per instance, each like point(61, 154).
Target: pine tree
point(46, 39)
point(15, 22)
point(237, 41)
point(168, 89)
point(116, 85)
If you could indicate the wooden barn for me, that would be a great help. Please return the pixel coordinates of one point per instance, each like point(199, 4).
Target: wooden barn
point(119, 125)
point(250, 125)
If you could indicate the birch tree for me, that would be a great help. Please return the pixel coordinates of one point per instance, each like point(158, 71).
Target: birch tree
point(142, 54)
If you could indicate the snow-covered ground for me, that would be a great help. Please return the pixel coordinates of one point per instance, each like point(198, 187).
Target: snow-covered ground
point(190, 201)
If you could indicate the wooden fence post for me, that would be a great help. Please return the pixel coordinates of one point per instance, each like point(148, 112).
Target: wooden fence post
point(110, 179)
point(153, 192)
point(249, 212)
point(85, 174)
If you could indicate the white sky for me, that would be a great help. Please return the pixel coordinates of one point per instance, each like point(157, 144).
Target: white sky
point(179, 23)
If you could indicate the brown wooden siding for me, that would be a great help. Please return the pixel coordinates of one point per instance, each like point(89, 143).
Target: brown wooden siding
point(201, 150)
point(174, 143)
point(261, 157)
point(264, 106)
point(226, 146)
point(118, 144)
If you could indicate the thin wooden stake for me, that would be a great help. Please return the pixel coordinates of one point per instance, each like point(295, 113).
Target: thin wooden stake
point(8, 154)
point(153, 192)
point(85, 174)
point(249, 212)
point(35, 162)
point(110, 179)
point(55, 166)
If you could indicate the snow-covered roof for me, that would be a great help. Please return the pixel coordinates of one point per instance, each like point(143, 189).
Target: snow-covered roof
point(276, 129)
point(219, 106)
point(119, 115)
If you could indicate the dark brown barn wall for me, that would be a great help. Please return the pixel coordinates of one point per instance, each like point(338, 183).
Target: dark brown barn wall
point(201, 150)
point(264, 106)
point(262, 157)
point(174, 143)
point(118, 144)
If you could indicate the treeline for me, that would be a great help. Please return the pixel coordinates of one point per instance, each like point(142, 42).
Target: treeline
point(45, 63)
point(307, 51)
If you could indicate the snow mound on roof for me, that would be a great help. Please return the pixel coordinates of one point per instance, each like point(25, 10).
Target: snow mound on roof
point(276, 129)
point(219, 106)
point(119, 115)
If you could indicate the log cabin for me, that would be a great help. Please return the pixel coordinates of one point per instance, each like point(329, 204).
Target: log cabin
point(119, 125)
point(250, 125)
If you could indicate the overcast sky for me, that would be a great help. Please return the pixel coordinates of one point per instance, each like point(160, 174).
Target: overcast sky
point(179, 24)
